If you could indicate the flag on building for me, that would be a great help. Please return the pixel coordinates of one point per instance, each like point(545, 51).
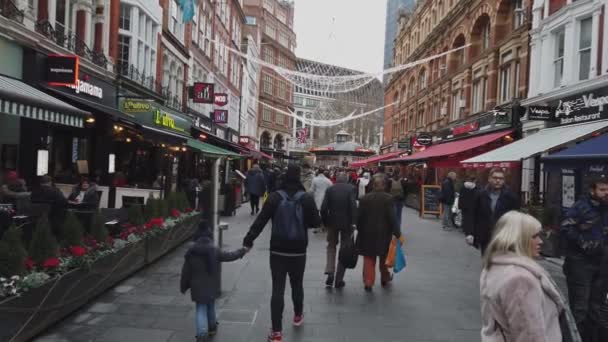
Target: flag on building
point(188, 8)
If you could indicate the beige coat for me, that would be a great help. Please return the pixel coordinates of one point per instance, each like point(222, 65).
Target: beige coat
point(519, 302)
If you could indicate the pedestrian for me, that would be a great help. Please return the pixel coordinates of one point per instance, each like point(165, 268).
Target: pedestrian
point(307, 177)
point(320, 184)
point(201, 275)
point(376, 223)
point(255, 185)
point(398, 194)
point(339, 214)
point(13, 188)
point(447, 198)
point(362, 184)
point(48, 194)
point(269, 177)
point(380, 171)
point(585, 235)
point(489, 205)
point(519, 300)
point(467, 196)
point(85, 193)
point(292, 211)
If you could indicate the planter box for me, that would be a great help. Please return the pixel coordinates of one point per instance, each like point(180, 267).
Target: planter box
point(160, 245)
point(25, 316)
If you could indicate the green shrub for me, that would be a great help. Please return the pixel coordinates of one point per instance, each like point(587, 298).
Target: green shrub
point(12, 253)
point(71, 231)
point(99, 230)
point(136, 216)
point(44, 244)
point(152, 210)
point(163, 210)
point(171, 201)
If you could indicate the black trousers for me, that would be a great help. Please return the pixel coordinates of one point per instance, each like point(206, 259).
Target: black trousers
point(584, 293)
point(280, 267)
point(254, 201)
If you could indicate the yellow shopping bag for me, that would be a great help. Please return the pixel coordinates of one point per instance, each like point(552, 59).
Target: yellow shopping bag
point(264, 197)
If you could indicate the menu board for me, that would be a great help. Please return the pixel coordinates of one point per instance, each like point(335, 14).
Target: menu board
point(430, 200)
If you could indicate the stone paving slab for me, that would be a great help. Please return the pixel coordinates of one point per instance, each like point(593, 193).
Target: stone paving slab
point(436, 299)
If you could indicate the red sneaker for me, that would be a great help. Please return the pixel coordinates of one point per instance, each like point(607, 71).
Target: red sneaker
point(298, 320)
point(275, 336)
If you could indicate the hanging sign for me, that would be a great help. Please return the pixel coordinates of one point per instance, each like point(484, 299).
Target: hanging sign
point(424, 139)
point(62, 70)
point(220, 116)
point(203, 93)
point(150, 113)
point(221, 99)
point(585, 107)
point(541, 113)
point(471, 127)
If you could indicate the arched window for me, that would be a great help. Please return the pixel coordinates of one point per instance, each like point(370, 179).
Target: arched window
point(265, 140)
point(480, 35)
point(412, 87)
point(457, 58)
point(422, 79)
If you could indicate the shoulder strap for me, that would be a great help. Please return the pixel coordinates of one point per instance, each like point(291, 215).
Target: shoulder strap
point(299, 195)
point(283, 194)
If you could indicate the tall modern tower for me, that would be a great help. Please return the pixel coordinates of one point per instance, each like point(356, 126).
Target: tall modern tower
point(393, 10)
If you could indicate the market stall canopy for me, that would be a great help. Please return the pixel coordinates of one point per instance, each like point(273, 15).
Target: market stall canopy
point(376, 159)
point(18, 98)
point(588, 153)
point(534, 144)
point(454, 147)
point(211, 150)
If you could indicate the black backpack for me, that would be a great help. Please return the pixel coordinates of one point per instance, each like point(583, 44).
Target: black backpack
point(288, 220)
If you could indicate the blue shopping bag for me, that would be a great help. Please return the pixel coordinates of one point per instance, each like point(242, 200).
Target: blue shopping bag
point(399, 258)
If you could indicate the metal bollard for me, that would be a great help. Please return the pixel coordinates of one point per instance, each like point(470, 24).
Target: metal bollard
point(220, 243)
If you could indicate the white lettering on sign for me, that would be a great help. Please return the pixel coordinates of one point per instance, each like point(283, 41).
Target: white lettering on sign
point(539, 111)
point(87, 88)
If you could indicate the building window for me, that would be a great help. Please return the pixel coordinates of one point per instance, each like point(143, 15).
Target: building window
point(479, 92)
point(124, 46)
point(485, 36)
point(298, 100)
point(267, 114)
point(284, 39)
point(176, 25)
point(268, 84)
point(282, 16)
point(412, 88)
point(517, 71)
point(518, 13)
point(268, 55)
point(456, 98)
point(505, 78)
point(420, 120)
point(558, 60)
point(250, 20)
point(422, 80)
point(282, 94)
point(125, 17)
point(269, 5)
point(270, 30)
point(280, 119)
point(584, 49)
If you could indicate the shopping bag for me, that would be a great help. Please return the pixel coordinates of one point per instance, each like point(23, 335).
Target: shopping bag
point(400, 262)
point(390, 257)
point(264, 197)
point(348, 253)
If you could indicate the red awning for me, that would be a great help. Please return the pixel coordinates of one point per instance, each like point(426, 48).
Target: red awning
point(255, 154)
point(376, 159)
point(453, 147)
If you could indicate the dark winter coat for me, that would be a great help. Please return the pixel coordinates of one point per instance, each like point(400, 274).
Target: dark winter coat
point(485, 219)
point(466, 201)
point(339, 208)
point(311, 217)
point(255, 183)
point(91, 197)
point(584, 229)
point(201, 270)
point(376, 224)
point(448, 194)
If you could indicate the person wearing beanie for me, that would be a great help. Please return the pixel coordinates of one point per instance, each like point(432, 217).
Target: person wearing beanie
point(292, 211)
point(201, 274)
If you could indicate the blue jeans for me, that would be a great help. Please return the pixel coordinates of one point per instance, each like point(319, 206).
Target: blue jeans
point(205, 318)
point(447, 215)
point(399, 211)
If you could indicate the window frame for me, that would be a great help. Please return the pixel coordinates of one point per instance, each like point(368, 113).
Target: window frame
point(584, 50)
point(559, 35)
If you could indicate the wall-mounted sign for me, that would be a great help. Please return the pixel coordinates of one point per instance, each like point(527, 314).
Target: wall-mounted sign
point(221, 99)
point(131, 106)
point(220, 116)
point(405, 144)
point(86, 88)
point(424, 139)
point(244, 140)
point(203, 93)
point(585, 107)
point(464, 129)
point(150, 113)
point(201, 124)
point(62, 70)
point(543, 113)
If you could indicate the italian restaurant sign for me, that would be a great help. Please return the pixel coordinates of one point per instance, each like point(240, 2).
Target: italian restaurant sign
point(542, 113)
point(584, 107)
point(155, 115)
point(62, 70)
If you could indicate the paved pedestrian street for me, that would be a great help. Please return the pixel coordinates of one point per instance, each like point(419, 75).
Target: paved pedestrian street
point(435, 299)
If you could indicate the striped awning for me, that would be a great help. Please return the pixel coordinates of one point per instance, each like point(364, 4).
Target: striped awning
point(18, 98)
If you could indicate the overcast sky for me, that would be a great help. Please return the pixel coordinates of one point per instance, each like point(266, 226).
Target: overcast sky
point(347, 33)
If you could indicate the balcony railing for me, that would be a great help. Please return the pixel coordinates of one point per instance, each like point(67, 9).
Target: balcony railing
point(134, 74)
point(71, 42)
point(172, 100)
point(10, 10)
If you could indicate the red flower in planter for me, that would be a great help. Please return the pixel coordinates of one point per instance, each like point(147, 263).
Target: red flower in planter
point(148, 226)
point(175, 213)
point(89, 241)
point(51, 263)
point(29, 263)
point(156, 222)
point(189, 210)
point(78, 251)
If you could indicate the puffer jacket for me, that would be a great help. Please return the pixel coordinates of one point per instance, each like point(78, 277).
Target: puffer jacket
point(585, 228)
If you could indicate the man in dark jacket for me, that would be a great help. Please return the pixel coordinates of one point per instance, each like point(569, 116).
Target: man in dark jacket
point(287, 255)
point(466, 200)
point(376, 223)
point(489, 205)
point(201, 274)
point(48, 194)
point(448, 196)
point(381, 171)
point(339, 213)
point(585, 235)
point(255, 185)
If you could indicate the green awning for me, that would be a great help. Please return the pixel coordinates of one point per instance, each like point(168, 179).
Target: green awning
point(211, 150)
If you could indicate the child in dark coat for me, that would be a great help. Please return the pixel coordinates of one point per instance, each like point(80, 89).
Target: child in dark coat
point(201, 274)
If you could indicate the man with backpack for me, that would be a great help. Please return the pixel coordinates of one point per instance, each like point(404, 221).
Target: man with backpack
point(292, 211)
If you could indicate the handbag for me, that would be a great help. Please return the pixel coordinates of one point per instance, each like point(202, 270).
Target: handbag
point(348, 254)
